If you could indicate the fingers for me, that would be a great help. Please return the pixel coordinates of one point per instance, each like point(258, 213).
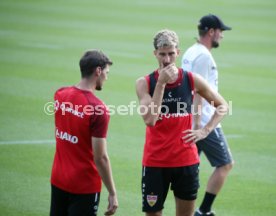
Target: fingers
point(112, 206)
point(190, 136)
point(168, 73)
point(167, 65)
point(170, 69)
point(111, 210)
point(172, 72)
point(195, 135)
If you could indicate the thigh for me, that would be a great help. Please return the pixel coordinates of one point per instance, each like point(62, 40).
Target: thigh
point(216, 148)
point(84, 204)
point(185, 182)
point(59, 202)
point(155, 185)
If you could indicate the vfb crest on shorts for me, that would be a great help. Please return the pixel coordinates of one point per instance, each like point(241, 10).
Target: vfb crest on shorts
point(152, 199)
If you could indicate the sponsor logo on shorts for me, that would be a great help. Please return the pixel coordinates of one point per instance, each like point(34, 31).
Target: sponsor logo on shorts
point(152, 199)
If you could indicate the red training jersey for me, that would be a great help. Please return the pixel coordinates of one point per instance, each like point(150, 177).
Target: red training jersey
point(79, 116)
point(164, 146)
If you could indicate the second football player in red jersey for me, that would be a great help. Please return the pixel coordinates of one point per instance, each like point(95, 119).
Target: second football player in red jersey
point(170, 156)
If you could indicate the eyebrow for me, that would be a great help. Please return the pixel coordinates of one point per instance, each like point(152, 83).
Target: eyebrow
point(170, 53)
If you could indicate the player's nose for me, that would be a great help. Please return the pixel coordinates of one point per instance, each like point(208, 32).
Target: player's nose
point(166, 59)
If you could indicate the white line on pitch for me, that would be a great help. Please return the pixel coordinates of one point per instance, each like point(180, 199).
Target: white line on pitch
point(27, 142)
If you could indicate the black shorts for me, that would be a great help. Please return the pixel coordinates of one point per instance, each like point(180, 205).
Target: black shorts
point(215, 148)
point(157, 180)
point(68, 204)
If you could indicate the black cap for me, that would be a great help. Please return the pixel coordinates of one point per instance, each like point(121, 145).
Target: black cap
point(211, 21)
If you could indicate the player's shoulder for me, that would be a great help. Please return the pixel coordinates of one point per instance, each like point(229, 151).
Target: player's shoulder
point(61, 89)
point(142, 85)
point(141, 81)
point(197, 50)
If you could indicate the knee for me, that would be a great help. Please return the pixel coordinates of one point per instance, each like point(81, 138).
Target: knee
point(229, 166)
point(226, 168)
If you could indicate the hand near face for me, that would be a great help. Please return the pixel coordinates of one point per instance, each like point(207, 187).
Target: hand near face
point(168, 74)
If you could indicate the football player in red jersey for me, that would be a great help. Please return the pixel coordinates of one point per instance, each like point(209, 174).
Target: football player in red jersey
point(81, 160)
point(170, 158)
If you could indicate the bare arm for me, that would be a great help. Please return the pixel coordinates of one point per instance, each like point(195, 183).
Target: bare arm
point(198, 111)
point(104, 168)
point(204, 90)
point(151, 106)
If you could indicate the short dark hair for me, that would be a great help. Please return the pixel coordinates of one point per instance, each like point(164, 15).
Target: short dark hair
point(202, 33)
point(92, 59)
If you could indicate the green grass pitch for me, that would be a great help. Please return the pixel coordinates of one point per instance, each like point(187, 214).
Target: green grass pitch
point(40, 46)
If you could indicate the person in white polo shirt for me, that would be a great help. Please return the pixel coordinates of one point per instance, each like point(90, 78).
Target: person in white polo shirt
point(198, 59)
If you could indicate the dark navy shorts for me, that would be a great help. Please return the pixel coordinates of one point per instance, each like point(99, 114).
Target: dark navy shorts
point(215, 148)
point(156, 181)
point(68, 204)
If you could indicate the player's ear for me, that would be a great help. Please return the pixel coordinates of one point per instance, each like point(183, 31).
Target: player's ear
point(98, 71)
point(211, 31)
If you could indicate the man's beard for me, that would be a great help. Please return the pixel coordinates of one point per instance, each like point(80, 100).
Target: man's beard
point(215, 44)
point(98, 87)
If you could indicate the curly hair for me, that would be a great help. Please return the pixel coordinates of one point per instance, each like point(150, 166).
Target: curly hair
point(165, 38)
